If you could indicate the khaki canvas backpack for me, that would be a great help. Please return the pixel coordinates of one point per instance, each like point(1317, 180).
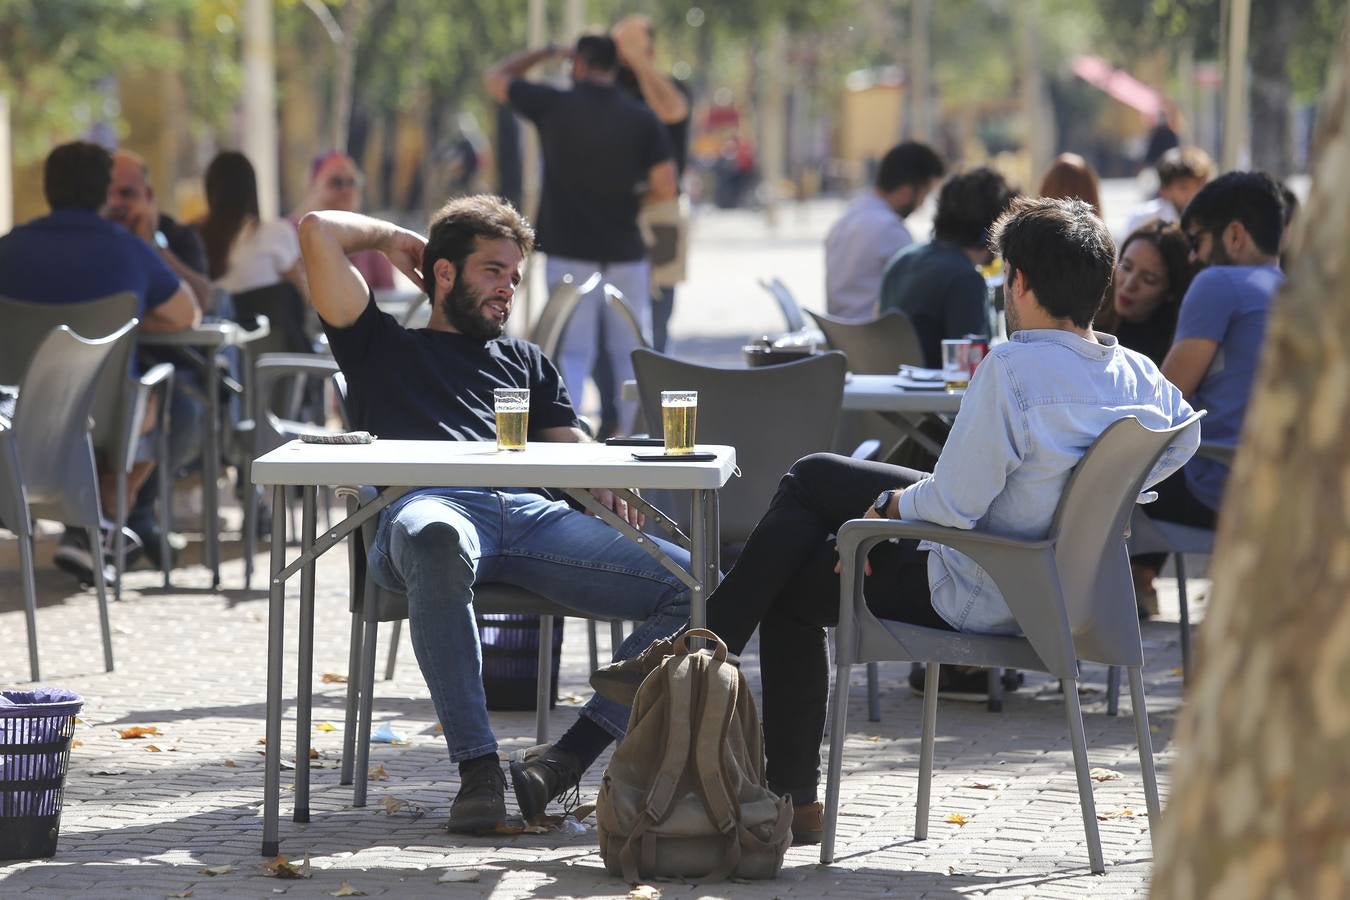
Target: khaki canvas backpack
point(684, 795)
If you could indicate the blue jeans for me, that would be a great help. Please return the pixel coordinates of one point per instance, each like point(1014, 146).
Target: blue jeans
point(582, 340)
point(434, 544)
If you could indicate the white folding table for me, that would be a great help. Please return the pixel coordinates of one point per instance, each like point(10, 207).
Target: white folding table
point(401, 466)
point(904, 407)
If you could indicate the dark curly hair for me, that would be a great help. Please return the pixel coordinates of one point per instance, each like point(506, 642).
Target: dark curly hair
point(456, 227)
point(1062, 249)
point(76, 176)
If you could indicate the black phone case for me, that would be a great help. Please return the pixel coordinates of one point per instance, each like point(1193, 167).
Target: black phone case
point(684, 457)
point(634, 442)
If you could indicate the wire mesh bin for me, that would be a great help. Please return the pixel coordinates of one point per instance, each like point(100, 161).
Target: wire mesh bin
point(35, 732)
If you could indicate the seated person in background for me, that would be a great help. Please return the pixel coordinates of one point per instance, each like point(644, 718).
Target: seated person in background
point(74, 255)
point(872, 230)
point(1234, 226)
point(243, 252)
point(1182, 171)
point(936, 284)
point(335, 183)
point(1152, 276)
point(132, 204)
point(436, 383)
point(1014, 444)
point(1071, 178)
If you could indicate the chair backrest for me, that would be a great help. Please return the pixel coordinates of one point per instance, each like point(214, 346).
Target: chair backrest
point(284, 308)
point(876, 347)
point(787, 304)
point(547, 331)
point(268, 372)
point(51, 419)
point(27, 324)
point(773, 416)
point(1089, 534)
point(614, 300)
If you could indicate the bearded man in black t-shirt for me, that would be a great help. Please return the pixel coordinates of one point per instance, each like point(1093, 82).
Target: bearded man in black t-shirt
point(436, 383)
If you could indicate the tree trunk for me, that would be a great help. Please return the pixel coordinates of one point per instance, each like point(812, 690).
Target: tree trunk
point(1258, 805)
point(1273, 28)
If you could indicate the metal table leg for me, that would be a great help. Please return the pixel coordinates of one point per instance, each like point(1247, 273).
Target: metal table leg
point(276, 637)
point(305, 677)
point(698, 557)
point(211, 470)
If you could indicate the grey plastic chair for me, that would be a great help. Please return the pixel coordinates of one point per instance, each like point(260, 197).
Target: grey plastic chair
point(1071, 594)
point(1149, 535)
point(562, 301)
point(787, 304)
point(876, 347)
point(615, 301)
point(120, 401)
point(47, 458)
point(270, 429)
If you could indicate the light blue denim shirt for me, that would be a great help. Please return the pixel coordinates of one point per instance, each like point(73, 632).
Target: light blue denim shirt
point(1034, 406)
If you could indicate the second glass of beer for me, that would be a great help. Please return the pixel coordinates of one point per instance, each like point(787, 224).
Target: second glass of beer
point(513, 417)
point(679, 412)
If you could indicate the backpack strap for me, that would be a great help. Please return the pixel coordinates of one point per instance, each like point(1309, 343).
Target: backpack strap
point(723, 809)
point(679, 694)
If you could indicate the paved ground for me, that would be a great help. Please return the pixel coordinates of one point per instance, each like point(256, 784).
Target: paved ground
point(148, 817)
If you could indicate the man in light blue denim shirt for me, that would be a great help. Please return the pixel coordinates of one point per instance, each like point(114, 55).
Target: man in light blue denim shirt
point(1033, 407)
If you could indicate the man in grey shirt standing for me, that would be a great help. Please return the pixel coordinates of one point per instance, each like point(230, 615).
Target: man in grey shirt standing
point(872, 229)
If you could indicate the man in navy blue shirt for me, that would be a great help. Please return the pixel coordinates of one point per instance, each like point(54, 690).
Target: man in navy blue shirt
point(73, 255)
point(1234, 224)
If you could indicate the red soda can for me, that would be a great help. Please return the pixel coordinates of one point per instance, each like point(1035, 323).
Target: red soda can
point(978, 350)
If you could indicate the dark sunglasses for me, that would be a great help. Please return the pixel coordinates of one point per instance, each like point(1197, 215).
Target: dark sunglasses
point(1193, 239)
point(338, 182)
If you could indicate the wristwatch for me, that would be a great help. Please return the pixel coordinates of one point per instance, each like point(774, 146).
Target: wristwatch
point(883, 504)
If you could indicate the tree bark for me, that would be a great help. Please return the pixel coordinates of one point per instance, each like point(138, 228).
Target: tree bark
point(1271, 95)
point(1258, 805)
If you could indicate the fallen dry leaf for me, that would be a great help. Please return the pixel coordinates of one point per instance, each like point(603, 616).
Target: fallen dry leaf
point(151, 748)
point(981, 786)
point(229, 764)
point(313, 754)
point(216, 870)
point(335, 678)
point(326, 726)
point(283, 868)
point(644, 892)
point(392, 805)
point(874, 737)
point(262, 741)
point(1104, 775)
point(137, 731)
point(438, 728)
point(76, 742)
point(956, 819)
point(1178, 671)
point(187, 893)
point(1126, 813)
point(346, 890)
point(455, 876)
point(378, 773)
point(572, 699)
point(583, 812)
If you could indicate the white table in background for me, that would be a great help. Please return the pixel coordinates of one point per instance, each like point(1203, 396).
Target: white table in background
point(904, 407)
point(402, 466)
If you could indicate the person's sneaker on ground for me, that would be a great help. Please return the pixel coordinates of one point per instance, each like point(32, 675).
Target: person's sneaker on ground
point(148, 535)
point(74, 557)
point(808, 823)
point(960, 683)
point(543, 774)
point(480, 805)
point(619, 681)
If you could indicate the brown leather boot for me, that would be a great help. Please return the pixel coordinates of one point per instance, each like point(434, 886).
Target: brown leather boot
point(808, 823)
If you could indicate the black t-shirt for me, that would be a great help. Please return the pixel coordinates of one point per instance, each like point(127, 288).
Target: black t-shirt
point(420, 384)
point(598, 146)
point(678, 131)
point(1151, 337)
point(183, 243)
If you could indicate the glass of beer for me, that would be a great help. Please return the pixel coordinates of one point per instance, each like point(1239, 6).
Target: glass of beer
point(513, 417)
point(955, 365)
point(679, 412)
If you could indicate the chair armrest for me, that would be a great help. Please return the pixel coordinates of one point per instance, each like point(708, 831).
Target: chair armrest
point(262, 327)
point(1024, 571)
point(159, 374)
point(1223, 453)
point(868, 449)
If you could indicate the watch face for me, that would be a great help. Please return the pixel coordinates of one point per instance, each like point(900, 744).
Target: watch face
point(882, 503)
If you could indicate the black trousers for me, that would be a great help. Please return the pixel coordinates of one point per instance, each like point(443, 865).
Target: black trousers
point(1177, 504)
point(784, 584)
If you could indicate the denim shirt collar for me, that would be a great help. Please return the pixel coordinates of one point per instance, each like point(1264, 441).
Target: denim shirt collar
point(1103, 349)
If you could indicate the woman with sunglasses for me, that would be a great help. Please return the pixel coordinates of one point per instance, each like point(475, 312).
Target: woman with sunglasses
point(335, 183)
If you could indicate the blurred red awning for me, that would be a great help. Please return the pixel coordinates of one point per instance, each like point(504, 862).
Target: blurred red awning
point(1118, 84)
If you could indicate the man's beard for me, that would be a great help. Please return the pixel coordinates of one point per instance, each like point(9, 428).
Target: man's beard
point(1218, 253)
point(1010, 321)
point(463, 309)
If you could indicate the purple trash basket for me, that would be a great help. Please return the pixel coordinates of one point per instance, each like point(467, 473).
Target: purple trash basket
point(35, 732)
